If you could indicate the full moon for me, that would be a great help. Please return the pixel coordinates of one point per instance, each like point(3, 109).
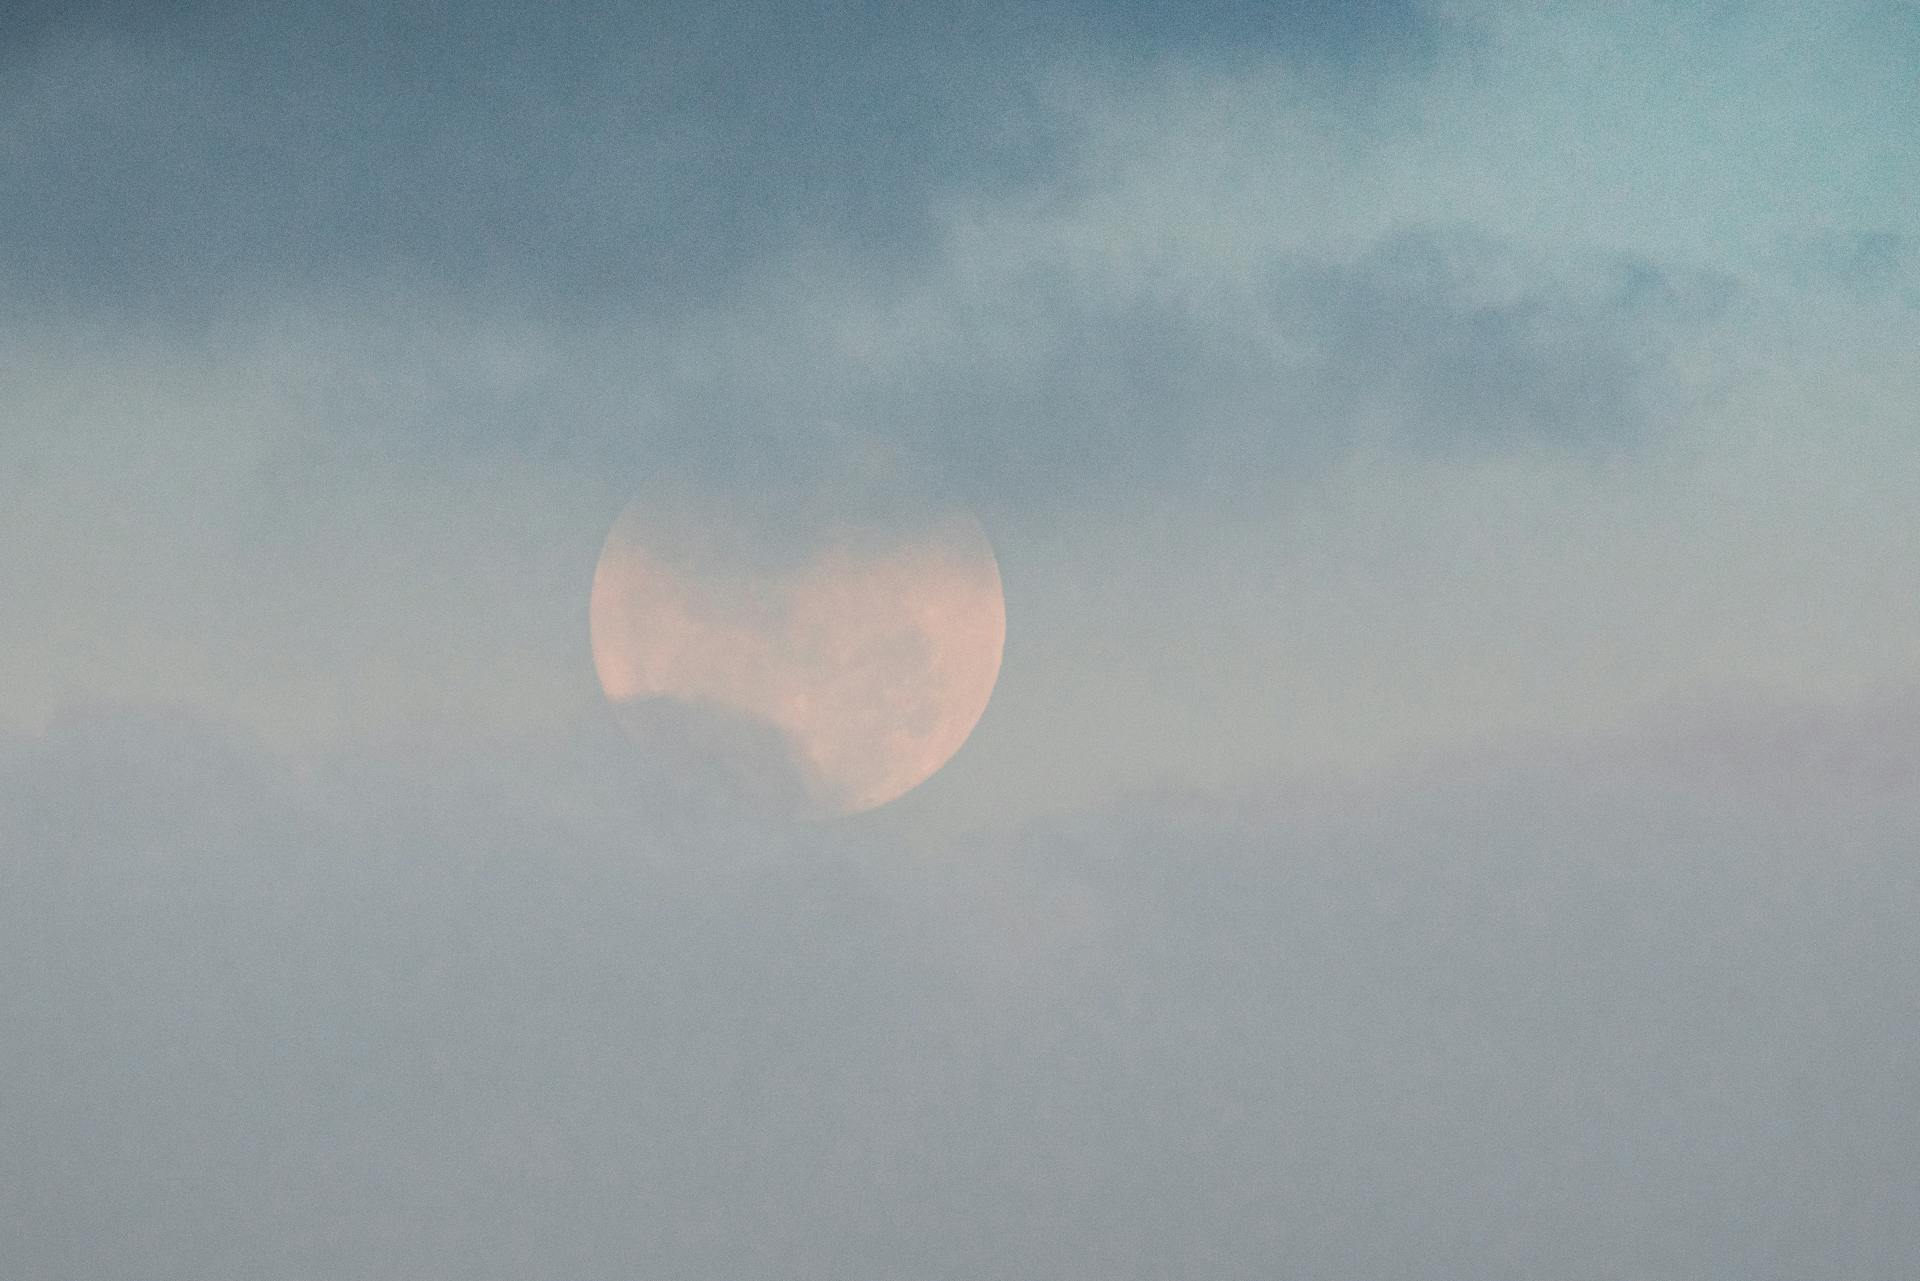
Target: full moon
point(859, 622)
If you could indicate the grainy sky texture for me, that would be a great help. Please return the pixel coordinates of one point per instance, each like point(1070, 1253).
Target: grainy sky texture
point(1450, 806)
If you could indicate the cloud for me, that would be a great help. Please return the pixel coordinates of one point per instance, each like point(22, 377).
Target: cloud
point(1461, 345)
point(462, 1016)
point(1227, 535)
point(574, 161)
point(1338, 391)
point(1042, 379)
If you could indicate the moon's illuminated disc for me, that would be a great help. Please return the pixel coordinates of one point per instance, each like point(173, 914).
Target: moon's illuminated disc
point(867, 634)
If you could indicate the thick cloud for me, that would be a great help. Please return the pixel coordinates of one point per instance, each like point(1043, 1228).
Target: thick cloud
point(434, 1016)
point(565, 159)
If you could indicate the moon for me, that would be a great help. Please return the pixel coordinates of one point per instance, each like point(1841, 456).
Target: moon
point(858, 621)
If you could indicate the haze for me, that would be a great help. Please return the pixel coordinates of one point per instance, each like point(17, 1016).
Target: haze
point(1448, 808)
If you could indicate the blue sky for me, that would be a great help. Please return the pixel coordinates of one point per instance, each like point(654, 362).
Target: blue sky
point(1447, 808)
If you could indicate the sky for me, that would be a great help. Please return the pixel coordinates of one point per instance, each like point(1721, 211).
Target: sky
point(1448, 808)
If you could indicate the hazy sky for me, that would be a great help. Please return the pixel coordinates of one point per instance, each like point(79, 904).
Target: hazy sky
point(1449, 810)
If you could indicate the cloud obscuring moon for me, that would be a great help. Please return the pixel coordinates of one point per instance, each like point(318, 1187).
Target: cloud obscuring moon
point(871, 645)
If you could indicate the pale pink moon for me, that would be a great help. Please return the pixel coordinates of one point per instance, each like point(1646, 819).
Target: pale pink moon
point(873, 651)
